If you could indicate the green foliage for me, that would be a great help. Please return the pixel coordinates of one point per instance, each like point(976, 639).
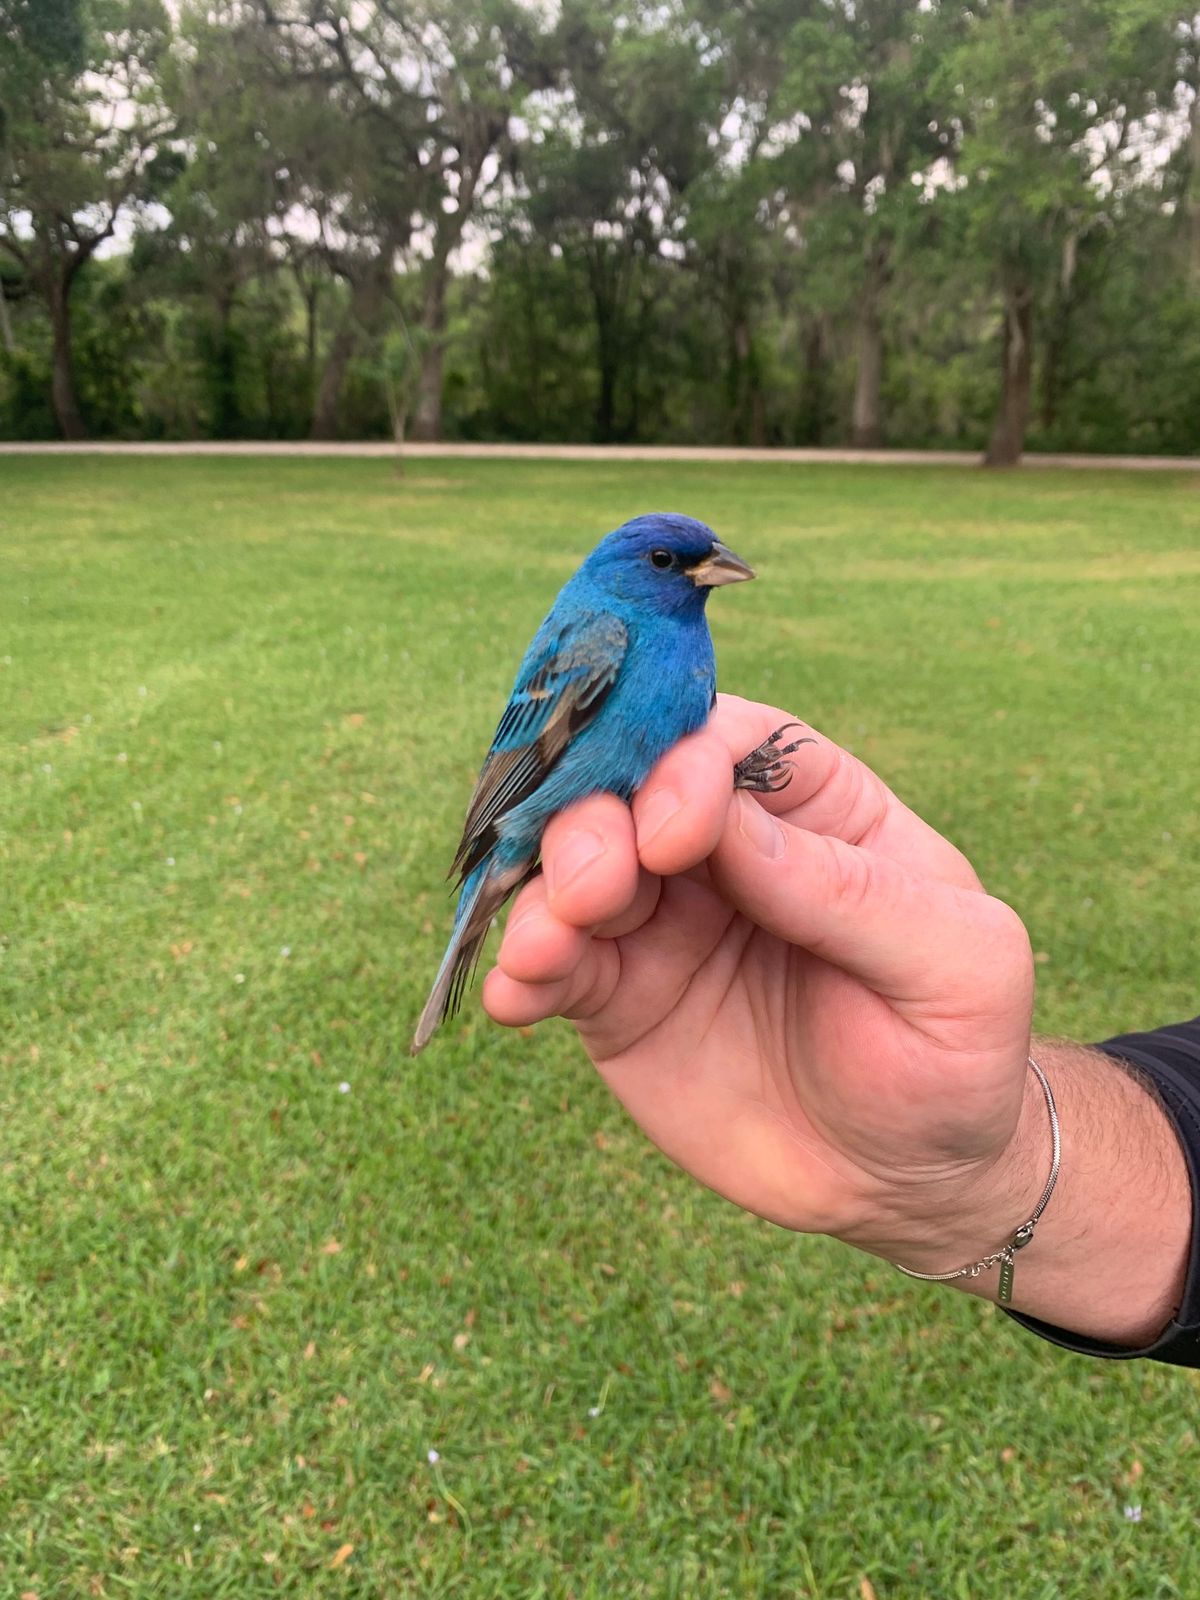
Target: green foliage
point(241, 706)
point(82, 114)
point(785, 223)
point(51, 31)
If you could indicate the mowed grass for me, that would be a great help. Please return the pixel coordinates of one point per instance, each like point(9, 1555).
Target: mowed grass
point(256, 1265)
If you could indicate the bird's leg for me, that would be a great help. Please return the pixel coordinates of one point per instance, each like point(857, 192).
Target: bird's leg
point(765, 770)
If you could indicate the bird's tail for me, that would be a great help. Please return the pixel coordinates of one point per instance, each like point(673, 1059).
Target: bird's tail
point(484, 892)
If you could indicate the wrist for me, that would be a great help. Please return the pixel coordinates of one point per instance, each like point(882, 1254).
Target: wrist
point(973, 1211)
point(1109, 1256)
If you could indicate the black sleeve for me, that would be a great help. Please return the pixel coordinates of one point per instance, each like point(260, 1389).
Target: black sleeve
point(1168, 1060)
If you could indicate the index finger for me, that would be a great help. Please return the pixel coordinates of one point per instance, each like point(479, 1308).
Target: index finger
point(828, 790)
point(681, 809)
point(680, 812)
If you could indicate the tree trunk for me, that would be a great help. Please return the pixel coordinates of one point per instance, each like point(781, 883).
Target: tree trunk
point(1052, 356)
point(641, 339)
point(6, 333)
point(365, 300)
point(866, 427)
point(333, 375)
point(398, 415)
point(62, 382)
point(310, 290)
point(747, 413)
point(226, 422)
point(427, 412)
point(1193, 197)
point(1016, 373)
point(606, 395)
point(752, 409)
point(737, 383)
point(1058, 334)
point(758, 415)
point(606, 352)
point(814, 394)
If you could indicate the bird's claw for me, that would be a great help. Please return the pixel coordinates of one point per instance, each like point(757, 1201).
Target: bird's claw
point(765, 770)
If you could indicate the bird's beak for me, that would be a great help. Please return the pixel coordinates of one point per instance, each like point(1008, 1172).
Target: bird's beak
point(719, 566)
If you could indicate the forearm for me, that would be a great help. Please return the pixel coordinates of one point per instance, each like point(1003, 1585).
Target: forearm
point(1110, 1254)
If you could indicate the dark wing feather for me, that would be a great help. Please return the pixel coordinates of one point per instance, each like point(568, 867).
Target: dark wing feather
point(560, 688)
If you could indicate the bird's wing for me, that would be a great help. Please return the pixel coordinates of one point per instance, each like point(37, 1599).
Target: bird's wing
point(563, 682)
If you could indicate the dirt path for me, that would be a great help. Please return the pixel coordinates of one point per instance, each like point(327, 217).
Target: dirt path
point(615, 452)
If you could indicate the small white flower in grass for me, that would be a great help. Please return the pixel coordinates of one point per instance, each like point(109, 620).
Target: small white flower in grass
point(122, 755)
point(432, 1457)
point(593, 1411)
point(285, 950)
point(216, 744)
point(343, 1088)
point(46, 767)
point(239, 977)
point(1133, 1513)
point(237, 811)
point(170, 861)
point(195, 1527)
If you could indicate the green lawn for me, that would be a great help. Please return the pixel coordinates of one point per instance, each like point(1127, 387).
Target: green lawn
point(256, 1264)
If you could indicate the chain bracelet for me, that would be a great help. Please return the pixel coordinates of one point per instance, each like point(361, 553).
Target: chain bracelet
point(1006, 1254)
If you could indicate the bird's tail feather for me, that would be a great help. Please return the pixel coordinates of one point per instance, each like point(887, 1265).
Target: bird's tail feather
point(484, 892)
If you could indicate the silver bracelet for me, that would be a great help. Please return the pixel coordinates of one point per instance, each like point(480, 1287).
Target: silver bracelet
point(1024, 1233)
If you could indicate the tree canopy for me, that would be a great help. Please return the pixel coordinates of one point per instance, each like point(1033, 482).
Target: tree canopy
point(798, 221)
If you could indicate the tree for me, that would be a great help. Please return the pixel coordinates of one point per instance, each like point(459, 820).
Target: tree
point(1051, 98)
point(228, 198)
point(856, 119)
point(424, 91)
point(1189, 71)
point(482, 62)
point(82, 130)
point(604, 176)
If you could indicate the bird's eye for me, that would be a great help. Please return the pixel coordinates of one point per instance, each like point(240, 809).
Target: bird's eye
point(660, 559)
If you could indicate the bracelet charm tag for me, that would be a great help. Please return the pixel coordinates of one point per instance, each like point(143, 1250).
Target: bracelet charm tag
point(1006, 1280)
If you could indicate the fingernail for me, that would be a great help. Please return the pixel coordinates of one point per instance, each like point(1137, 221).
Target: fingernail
point(655, 811)
point(577, 852)
point(759, 828)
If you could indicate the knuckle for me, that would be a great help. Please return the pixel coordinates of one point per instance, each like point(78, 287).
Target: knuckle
point(853, 788)
point(1005, 931)
point(994, 959)
point(852, 877)
point(591, 987)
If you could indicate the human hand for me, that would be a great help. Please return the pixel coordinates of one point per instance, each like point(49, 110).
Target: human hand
point(806, 999)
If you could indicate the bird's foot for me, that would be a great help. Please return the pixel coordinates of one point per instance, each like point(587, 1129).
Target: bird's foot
point(765, 770)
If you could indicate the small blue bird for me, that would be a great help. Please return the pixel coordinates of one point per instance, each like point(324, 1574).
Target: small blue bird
point(621, 670)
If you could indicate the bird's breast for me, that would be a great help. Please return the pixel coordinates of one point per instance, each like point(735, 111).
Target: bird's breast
point(663, 692)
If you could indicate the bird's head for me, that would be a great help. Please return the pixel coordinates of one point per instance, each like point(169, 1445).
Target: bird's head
point(664, 560)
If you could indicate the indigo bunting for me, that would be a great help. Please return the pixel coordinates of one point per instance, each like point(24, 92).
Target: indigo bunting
point(620, 670)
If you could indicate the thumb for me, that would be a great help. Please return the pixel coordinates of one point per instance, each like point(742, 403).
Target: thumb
point(911, 938)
